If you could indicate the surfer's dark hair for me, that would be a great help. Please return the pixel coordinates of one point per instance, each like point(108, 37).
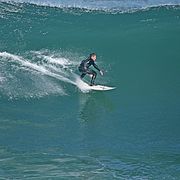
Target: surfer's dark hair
point(92, 54)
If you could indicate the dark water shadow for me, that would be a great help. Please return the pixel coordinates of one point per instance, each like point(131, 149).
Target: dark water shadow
point(93, 105)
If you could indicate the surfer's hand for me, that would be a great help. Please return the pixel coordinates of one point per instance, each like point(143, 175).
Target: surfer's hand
point(101, 72)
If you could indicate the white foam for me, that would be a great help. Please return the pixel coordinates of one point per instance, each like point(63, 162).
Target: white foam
point(33, 66)
point(30, 84)
point(105, 5)
point(60, 61)
point(2, 79)
point(84, 87)
point(48, 68)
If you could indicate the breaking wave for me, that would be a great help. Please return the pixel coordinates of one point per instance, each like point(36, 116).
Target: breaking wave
point(104, 5)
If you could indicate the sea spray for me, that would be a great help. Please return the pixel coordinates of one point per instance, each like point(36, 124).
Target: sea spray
point(56, 68)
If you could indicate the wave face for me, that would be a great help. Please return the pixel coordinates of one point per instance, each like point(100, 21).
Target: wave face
point(120, 5)
point(53, 127)
point(50, 42)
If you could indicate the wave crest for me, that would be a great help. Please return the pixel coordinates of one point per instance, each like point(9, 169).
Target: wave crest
point(101, 5)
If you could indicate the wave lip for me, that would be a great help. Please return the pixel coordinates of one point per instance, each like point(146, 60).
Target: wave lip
point(105, 5)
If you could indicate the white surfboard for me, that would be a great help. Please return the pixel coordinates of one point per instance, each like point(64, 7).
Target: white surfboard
point(101, 88)
point(85, 87)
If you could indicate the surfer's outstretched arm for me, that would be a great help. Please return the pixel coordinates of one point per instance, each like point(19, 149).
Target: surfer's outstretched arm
point(95, 66)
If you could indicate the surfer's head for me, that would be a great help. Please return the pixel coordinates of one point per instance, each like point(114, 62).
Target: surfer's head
point(93, 56)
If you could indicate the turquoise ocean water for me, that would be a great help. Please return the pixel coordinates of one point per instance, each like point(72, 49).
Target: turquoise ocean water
point(53, 127)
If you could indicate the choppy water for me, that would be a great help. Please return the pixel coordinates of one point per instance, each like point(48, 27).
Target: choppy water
point(53, 127)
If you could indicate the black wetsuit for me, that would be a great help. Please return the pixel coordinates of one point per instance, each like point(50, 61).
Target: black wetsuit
point(84, 69)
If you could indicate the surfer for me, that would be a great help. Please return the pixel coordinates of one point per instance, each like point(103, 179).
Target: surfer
point(84, 68)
